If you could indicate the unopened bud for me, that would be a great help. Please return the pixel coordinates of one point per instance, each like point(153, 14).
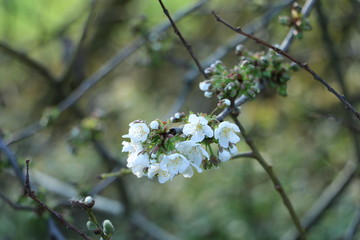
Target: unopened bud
point(108, 228)
point(154, 125)
point(208, 94)
point(91, 226)
point(89, 201)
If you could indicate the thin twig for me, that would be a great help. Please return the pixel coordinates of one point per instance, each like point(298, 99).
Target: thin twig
point(244, 155)
point(26, 60)
point(278, 186)
point(184, 42)
point(30, 193)
point(221, 51)
point(304, 66)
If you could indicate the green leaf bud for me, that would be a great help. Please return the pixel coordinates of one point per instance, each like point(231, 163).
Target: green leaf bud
point(91, 226)
point(108, 228)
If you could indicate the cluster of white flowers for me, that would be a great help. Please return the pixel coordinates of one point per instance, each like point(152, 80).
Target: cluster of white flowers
point(154, 151)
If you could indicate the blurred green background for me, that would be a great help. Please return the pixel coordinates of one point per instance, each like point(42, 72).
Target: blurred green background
point(297, 134)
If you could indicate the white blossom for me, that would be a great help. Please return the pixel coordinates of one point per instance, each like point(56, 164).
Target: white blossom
point(162, 173)
point(188, 173)
point(225, 133)
point(193, 151)
point(154, 125)
point(224, 155)
point(205, 85)
point(138, 162)
point(175, 163)
point(197, 127)
point(132, 147)
point(138, 132)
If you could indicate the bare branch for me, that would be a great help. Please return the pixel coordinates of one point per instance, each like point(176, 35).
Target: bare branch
point(184, 42)
point(30, 193)
point(304, 66)
point(275, 180)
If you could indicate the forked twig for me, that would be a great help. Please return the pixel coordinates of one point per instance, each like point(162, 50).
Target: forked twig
point(30, 193)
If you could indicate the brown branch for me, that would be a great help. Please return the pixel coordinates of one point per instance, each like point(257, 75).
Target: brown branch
point(30, 193)
point(244, 155)
point(304, 66)
point(184, 42)
point(275, 180)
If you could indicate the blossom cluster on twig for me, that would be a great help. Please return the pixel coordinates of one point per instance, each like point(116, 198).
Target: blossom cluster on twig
point(253, 70)
point(157, 150)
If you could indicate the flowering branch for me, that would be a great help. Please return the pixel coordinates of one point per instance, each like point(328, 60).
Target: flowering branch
point(277, 184)
point(31, 194)
point(184, 42)
point(304, 66)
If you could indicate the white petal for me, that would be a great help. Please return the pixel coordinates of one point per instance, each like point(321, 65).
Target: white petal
point(224, 155)
point(188, 173)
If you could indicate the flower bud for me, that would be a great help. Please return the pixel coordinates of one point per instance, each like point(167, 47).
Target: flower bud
point(89, 201)
point(209, 71)
point(154, 125)
point(108, 228)
point(91, 226)
point(224, 103)
point(205, 85)
point(239, 50)
point(208, 94)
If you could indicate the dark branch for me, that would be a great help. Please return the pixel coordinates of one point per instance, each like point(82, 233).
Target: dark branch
point(304, 66)
point(184, 42)
point(276, 182)
point(30, 193)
